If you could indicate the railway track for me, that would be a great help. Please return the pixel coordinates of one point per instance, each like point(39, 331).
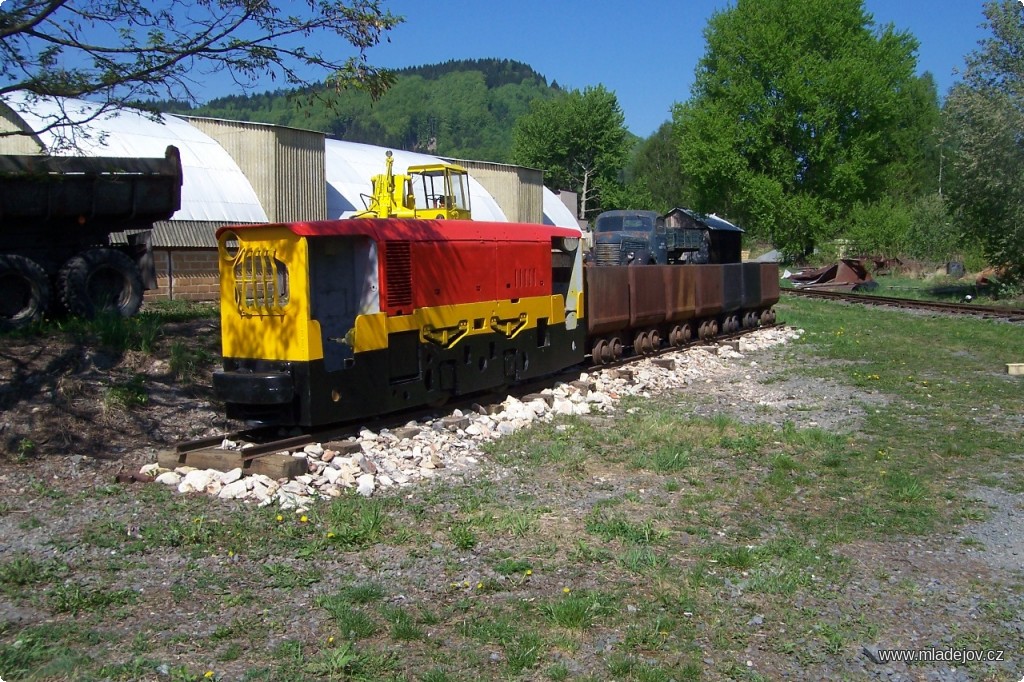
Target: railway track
point(267, 449)
point(1015, 315)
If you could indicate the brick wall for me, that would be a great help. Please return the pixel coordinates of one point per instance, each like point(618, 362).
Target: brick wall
point(185, 275)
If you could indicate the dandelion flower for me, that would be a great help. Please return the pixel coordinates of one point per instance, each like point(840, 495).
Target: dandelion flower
point(280, 518)
point(330, 640)
point(529, 571)
point(303, 519)
point(208, 674)
point(566, 590)
point(330, 535)
point(480, 586)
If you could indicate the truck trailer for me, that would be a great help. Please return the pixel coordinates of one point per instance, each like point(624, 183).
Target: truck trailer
point(57, 216)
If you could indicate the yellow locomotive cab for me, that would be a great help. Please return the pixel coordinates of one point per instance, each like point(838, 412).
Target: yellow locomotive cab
point(264, 292)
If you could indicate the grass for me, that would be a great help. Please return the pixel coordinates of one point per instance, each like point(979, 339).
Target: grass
point(127, 395)
point(115, 334)
point(944, 289)
point(655, 544)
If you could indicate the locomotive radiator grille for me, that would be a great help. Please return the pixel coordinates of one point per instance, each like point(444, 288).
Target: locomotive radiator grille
point(398, 274)
point(261, 282)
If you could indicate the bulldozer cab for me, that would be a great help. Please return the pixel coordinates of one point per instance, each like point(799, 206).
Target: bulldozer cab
point(440, 190)
point(437, 191)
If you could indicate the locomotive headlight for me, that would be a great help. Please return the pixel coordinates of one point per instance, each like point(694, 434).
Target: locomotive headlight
point(630, 256)
point(228, 246)
point(569, 244)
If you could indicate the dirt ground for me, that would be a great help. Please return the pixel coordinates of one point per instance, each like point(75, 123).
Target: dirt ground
point(64, 410)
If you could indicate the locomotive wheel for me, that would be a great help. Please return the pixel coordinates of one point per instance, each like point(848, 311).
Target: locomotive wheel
point(24, 291)
point(597, 353)
point(101, 280)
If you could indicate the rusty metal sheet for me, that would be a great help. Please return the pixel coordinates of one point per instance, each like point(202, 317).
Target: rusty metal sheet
point(769, 284)
point(732, 287)
point(751, 285)
point(648, 304)
point(681, 288)
point(845, 275)
point(606, 302)
point(708, 300)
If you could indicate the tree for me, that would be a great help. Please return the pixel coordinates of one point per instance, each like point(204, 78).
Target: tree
point(657, 167)
point(985, 117)
point(119, 54)
point(792, 115)
point(578, 139)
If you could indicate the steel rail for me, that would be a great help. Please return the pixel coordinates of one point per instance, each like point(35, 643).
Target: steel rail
point(987, 312)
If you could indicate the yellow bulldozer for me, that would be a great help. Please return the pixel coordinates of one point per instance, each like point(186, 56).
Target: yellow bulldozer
point(433, 191)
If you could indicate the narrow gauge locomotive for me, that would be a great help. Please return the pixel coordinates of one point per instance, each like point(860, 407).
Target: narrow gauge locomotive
point(324, 322)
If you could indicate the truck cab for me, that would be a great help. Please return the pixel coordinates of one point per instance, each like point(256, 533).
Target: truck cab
point(643, 238)
point(630, 238)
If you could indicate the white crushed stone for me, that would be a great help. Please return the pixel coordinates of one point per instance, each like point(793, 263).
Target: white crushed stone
point(418, 450)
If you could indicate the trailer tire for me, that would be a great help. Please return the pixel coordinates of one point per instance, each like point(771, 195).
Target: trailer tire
point(24, 291)
point(98, 281)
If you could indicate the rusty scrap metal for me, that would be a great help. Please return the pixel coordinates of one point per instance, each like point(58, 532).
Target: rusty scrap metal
point(845, 275)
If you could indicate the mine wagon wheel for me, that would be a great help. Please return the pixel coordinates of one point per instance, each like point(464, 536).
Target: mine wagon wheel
point(101, 280)
point(24, 291)
point(598, 352)
point(680, 335)
point(615, 343)
point(640, 343)
point(653, 341)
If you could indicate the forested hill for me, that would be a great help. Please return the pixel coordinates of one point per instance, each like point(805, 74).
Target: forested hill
point(462, 109)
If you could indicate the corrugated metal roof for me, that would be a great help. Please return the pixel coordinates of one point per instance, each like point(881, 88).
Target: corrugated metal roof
point(711, 220)
point(350, 165)
point(186, 234)
point(214, 188)
point(718, 223)
point(179, 234)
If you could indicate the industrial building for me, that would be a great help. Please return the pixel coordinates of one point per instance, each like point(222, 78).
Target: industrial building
point(243, 172)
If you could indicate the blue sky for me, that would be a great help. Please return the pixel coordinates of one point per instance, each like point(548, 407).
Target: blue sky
point(645, 51)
